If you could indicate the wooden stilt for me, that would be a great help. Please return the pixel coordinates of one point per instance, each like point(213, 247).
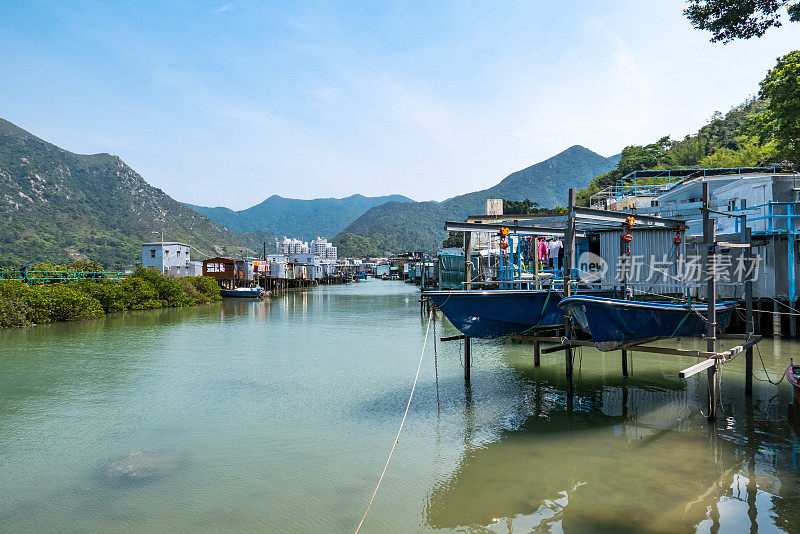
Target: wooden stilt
point(748, 303)
point(467, 356)
point(569, 263)
point(711, 331)
point(624, 363)
point(776, 319)
point(537, 350)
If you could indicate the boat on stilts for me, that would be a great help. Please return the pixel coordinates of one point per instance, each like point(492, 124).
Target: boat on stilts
point(615, 323)
point(499, 312)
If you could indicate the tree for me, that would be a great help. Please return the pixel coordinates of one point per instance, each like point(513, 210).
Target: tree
point(454, 240)
point(738, 19)
point(782, 87)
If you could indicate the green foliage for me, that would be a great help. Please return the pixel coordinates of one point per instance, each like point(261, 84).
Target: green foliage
point(14, 310)
point(207, 288)
point(23, 305)
point(109, 293)
point(86, 266)
point(738, 19)
point(167, 288)
point(65, 302)
point(139, 294)
point(782, 87)
point(454, 240)
point(751, 154)
point(528, 207)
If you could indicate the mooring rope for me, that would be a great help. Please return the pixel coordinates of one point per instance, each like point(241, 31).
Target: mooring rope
point(403, 422)
point(765, 370)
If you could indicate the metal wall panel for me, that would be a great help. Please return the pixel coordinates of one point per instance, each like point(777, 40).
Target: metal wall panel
point(654, 264)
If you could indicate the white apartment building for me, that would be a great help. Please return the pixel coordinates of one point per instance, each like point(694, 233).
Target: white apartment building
point(326, 251)
point(294, 246)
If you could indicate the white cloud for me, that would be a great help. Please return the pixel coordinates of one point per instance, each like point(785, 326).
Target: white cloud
point(225, 8)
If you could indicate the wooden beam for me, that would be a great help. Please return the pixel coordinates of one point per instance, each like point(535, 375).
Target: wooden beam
point(556, 348)
point(452, 338)
point(696, 368)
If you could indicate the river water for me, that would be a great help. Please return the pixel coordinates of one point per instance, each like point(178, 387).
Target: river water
point(278, 416)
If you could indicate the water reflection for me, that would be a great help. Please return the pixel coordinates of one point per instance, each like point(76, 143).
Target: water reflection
point(629, 457)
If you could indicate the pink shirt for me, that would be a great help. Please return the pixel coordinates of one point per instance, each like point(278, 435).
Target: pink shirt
point(541, 250)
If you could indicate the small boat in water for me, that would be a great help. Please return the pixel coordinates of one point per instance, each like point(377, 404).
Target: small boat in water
point(243, 293)
point(793, 376)
point(616, 323)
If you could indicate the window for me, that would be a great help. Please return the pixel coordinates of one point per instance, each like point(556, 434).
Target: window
point(178, 253)
point(732, 204)
point(166, 252)
point(152, 253)
point(744, 203)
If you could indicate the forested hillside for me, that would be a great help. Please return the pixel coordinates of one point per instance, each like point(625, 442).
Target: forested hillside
point(303, 219)
point(395, 227)
point(58, 206)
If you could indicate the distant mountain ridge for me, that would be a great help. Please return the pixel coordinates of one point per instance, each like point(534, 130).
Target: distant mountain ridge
point(303, 219)
point(394, 227)
point(58, 206)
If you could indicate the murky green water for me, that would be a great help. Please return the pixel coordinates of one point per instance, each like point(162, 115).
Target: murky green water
point(277, 416)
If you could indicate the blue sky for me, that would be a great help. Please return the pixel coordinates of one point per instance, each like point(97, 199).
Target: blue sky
point(227, 103)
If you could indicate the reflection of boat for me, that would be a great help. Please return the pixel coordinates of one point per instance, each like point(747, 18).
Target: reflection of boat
point(615, 323)
point(588, 472)
point(243, 293)
point(793, 376)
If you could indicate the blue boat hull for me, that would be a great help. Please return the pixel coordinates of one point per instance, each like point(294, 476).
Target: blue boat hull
point(493, 313)
point(615, 323)
point(251, 293)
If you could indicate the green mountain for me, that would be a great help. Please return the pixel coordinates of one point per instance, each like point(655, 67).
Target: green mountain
point(395, 227)
point(303, 219)
point(58, 206)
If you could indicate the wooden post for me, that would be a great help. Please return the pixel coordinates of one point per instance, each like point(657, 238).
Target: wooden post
point(468, 287)
point(537, 351)
point(748, 303)
point(468, 260)
point(776, 319)
point(711, 331)
point(467, 356)
point(569, 261)
point(624, 363)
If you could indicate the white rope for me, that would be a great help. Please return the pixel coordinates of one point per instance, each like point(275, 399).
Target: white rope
point(397, 438)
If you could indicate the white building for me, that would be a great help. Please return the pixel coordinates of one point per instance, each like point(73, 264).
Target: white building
point(294, 246)
point(326, 251)
point(171, 258)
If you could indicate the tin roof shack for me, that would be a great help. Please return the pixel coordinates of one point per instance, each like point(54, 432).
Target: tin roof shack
point(652, 266)
point(228, 272)
point(171, 258)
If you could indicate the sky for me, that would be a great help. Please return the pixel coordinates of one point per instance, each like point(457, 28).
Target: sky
point(225, 104)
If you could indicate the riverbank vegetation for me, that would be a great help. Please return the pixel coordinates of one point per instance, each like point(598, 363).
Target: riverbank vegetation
point(23, 305)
